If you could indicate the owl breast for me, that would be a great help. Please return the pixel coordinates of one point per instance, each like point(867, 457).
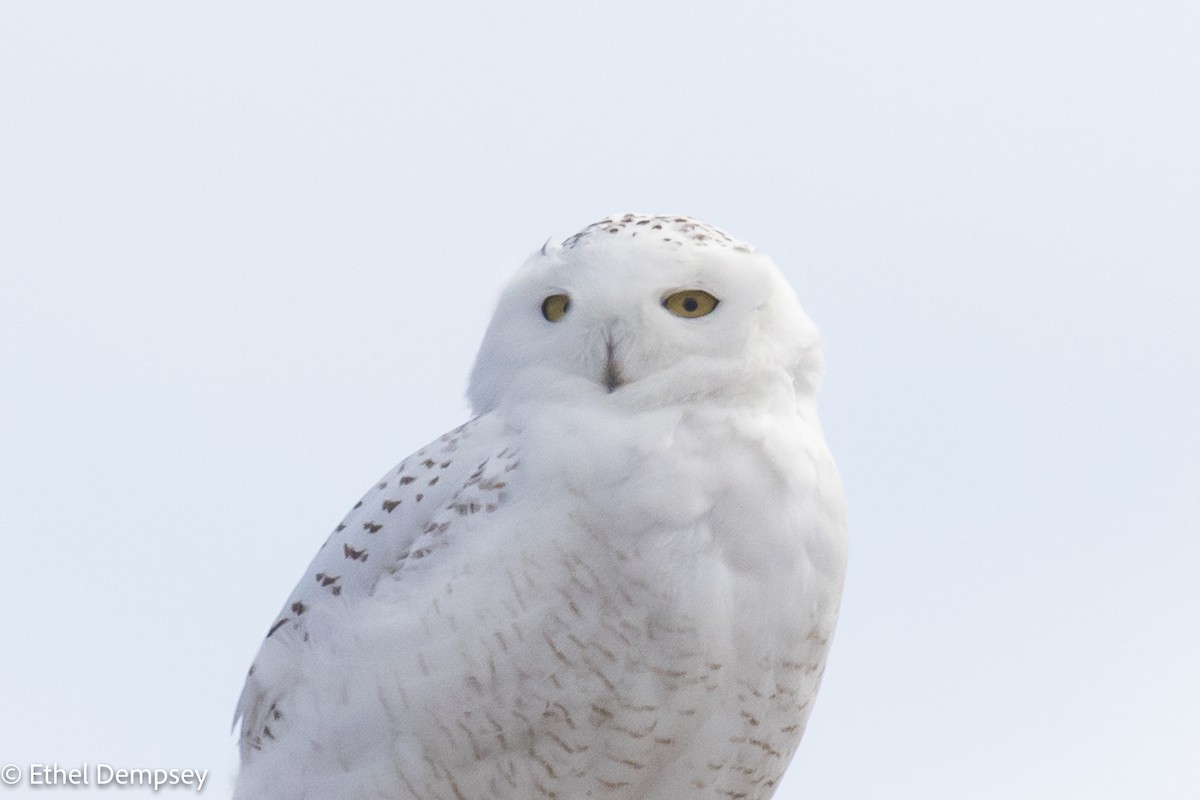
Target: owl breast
point(656, 625)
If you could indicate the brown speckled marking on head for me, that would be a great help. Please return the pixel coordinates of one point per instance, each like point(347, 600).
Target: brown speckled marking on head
point(684, 230)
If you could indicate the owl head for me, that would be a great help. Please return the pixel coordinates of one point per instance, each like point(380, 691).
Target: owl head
point(646, 310)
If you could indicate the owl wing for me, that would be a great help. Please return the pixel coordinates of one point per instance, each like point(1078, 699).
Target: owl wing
point(400, 519)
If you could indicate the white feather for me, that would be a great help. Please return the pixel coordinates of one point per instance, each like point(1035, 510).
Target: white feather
point(622, 592)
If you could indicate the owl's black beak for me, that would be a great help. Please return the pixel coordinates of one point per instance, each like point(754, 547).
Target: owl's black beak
point(612, 373)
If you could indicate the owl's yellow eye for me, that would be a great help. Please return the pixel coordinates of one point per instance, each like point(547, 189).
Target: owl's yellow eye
point(555, 307)
point(690, 303)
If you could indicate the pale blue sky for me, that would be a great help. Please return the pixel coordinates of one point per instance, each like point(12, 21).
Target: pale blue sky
point(247, 252)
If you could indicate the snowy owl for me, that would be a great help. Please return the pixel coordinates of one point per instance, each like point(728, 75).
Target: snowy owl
point(618, 580)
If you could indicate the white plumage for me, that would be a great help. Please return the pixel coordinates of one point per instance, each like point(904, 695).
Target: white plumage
point(619, 580)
